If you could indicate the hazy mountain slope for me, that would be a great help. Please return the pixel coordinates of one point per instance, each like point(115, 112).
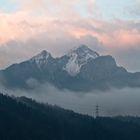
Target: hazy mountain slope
point(81, 69)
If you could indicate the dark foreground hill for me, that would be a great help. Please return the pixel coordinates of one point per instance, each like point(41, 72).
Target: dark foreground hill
point(25, 119)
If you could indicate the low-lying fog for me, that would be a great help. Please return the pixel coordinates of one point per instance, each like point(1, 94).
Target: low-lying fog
point(114, 102)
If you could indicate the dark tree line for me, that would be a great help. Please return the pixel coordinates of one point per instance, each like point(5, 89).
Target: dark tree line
point(25, 119)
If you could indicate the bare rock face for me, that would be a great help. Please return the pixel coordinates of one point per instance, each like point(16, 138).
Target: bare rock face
point(81, 69)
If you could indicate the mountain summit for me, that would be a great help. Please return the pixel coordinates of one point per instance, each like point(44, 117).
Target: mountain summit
point(77, 58)
point(41, 59)
point(83, 51)
point(81, 69)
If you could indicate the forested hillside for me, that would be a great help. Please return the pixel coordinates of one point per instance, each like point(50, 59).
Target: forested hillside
point(25, 119)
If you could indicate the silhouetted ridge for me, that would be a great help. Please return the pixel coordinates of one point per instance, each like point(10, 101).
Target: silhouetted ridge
point(25, 119)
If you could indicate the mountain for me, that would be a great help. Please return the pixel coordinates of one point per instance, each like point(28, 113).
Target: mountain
point(81, 69)
point(77, 58)
point(25, 119)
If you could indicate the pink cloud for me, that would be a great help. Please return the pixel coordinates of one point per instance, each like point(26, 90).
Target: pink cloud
point(26, 23)
point(51, 24)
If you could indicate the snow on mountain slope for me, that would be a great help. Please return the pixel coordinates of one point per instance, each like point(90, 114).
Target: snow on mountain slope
point(41, 59)
point(77, 58)
point(80, 70)
point(73, 61)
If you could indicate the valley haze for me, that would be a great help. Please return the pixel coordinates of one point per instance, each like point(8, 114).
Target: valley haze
point(113, 98)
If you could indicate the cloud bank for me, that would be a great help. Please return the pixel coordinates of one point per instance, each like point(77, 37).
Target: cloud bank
point(111, 103)
point(59, 25)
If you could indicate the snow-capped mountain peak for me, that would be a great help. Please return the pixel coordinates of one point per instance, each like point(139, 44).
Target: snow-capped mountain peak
point(84, 51)
point(41, 59)
point(79, 57)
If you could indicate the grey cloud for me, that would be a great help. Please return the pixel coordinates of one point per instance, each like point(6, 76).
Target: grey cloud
point(134, 9)
point(17, 51)
point(113, 102)
point(128, 57)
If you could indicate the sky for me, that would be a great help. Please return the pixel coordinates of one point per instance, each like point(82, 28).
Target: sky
point(106, 26)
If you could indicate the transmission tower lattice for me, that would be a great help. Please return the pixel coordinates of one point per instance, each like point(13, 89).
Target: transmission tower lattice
point(97, 111)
